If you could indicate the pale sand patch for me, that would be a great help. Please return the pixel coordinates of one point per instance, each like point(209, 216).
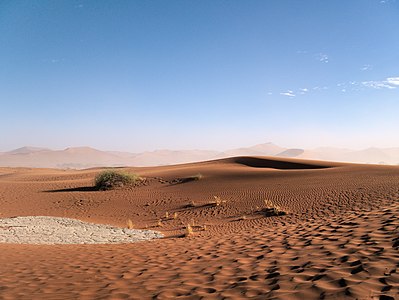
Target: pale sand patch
point(55, 230)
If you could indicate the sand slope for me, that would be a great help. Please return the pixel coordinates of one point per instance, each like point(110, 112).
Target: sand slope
point(339, 240)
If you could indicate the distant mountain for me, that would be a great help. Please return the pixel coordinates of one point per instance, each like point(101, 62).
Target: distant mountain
point(388, 156)
point(168, 157)
point(267, 149)
point(27, 150)
point(86, 157)
point(291, 153)
point(81, 157)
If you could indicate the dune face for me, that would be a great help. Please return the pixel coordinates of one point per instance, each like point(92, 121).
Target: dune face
point(86, 157)
point(339, 238)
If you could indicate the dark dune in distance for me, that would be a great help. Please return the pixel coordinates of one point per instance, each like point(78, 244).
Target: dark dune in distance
point(86, 157)
point(338, 239)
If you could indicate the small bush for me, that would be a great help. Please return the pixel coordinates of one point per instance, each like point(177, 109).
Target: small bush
point(218, 201)
point(191, 204)
point(195, 177)
point(107, 180)
point(129, 224)
point(189, 231)
point(273, 210)
point(198, 176)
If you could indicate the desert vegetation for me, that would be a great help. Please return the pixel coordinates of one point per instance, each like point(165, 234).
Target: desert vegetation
point(189, 231)
point(194, 177)
point(217, 201)
point(129, 224)
point(272, 209)
point(111, 179)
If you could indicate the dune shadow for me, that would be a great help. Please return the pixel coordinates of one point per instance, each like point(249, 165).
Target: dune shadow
point(77, 189)
point(183, 180)
point(191, 206)
point(256, 162)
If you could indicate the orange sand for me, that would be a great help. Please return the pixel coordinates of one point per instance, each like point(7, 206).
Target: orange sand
point(339, 240)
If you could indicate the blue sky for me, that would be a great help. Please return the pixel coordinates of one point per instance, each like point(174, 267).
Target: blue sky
point(145, 75)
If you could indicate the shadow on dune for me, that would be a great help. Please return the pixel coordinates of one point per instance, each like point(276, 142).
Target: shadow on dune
point(78, 189)
point(256, 162)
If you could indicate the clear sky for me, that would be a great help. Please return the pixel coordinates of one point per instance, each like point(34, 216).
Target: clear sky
point(145, 75)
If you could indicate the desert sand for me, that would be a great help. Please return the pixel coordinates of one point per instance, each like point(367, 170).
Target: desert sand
point(338, 240)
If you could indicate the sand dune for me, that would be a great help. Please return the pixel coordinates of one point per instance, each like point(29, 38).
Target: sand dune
point(338, 240)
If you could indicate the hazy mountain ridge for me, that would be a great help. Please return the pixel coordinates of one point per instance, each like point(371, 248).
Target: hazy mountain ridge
point(86, 157)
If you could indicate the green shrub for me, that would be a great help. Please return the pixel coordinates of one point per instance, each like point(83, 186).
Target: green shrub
point(110, 179)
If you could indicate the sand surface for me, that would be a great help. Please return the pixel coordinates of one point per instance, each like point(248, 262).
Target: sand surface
point(338, 240)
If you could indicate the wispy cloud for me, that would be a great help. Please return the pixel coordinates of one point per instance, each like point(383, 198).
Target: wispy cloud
point(393, 80)
point(389, 83)
point(322, 57)
point(288, 94)
point(366, 67)
point(303, 91)
point(377, 85)
point(54, 60)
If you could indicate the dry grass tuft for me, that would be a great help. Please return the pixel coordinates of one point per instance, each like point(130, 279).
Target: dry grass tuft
point(175, 215)
point(191, 204)
point(273, 210)
point(159, 224)
point(218, 201)
point(189, 231)
point(166, 215)
point(198, 176)
point(129, 224)
point(242, 218)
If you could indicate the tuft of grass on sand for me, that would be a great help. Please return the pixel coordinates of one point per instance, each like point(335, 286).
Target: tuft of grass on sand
point(218, 201)
point(195, 177)
point(191, 204)
point(166, 215)
point(129, 224)
point(273, 210)
point(175, 215)
point(159, 224)
point(110, 179)
point(242, 218)
point(189, 231)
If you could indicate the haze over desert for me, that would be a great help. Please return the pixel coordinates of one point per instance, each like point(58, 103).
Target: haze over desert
point(195, 150)
point(87, 157)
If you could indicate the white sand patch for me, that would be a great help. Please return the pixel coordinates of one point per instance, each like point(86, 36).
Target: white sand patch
point(54, 230)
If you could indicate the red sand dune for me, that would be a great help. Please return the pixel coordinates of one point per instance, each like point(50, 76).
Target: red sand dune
point(339, 240)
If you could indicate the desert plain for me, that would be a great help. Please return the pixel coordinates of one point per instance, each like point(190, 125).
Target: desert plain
point(336, 238)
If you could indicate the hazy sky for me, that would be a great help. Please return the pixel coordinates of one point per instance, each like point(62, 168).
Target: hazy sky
point(144, 75)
